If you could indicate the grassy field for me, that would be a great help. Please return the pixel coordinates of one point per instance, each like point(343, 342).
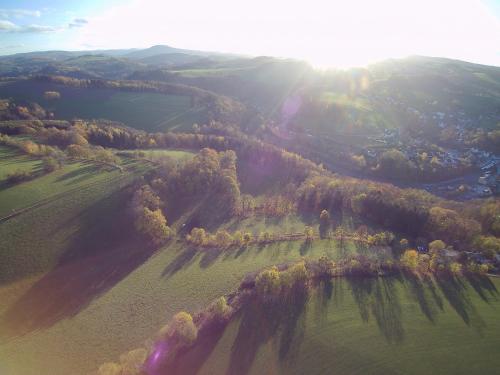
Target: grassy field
point(148, 111)
point(152, 154)
point(87, 317)
point(361, 326)
point(66, 201)
point(11, 161)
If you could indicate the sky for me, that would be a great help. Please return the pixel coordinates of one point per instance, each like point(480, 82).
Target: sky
point(326, 33)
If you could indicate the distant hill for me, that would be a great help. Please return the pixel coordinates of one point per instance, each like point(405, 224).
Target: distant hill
point(163, 50)
point(171, 59)
point(390, 94)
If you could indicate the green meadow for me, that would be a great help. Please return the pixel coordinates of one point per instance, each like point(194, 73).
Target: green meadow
point(147, 111)
point(11, 161)
point(122, 293)
point(359, 326)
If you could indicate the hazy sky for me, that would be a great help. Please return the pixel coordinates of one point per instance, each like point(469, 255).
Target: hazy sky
point(325, 32)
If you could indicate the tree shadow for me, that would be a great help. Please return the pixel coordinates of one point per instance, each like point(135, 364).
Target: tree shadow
point(305, 247)
point(184, 259)
point(240, 251)
point(80, 174)
point(189, 361)
point(377, 297)
point(324, 292)
point(98, 257)
point(417, 289)
point(483, 286)
point(455, 292)
point(210, 256)
point(324, 228)
point(280, 320)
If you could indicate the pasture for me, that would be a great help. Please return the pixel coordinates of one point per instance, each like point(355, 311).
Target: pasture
point(11, 161)
point(122, 294)
point(142, 110)
point(355, 326)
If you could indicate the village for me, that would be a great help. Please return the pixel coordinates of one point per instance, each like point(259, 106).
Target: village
point(469, 172)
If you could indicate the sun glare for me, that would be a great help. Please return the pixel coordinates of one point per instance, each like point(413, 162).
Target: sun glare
point(326, 33)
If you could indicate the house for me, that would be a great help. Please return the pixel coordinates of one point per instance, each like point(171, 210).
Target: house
point(422, 249)
point(450, 255)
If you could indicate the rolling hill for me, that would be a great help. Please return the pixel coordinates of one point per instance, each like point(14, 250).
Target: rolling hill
point(108, 231)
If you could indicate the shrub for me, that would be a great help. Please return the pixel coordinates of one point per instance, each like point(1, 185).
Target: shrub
point(197, 236)
point(132, 362)
point(223, 238)
point(247, 238)
point(436, 246)
point(309, 233)
point(268, 281)
point(238, 239)
point(50, 164)
point(153, 224)
point(146, 197)
point(219, 309)
point(456, 268)
point(488, 245)
point(410, 259)
point(483, 269)
point(181, 328)
point(326, 266)
point(381, 239)
point(354, 266)
point(77, 151)
point(324, 215)
point(294, 275)
point(265, 237)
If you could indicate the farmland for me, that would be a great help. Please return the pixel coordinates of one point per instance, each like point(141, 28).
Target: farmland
point(147, 111)
point(269, 228)
point(121, 315)
point(352, 326)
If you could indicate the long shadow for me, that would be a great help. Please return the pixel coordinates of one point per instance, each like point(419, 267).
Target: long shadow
point(417, 289)
point(280, 320)
point(305, 247)
point(377, 297)
point(210, 256)
point(190, 360)
point(184, 259)
point(82, 173)
point(387, 310)
point(431, 286)
point(324, 229)
point(483, 286)
point(97, 259)
point(455, 291)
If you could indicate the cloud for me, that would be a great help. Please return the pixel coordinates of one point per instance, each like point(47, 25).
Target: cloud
point(19, 13)
point(37, 29)
point(78, 22)
point(7, 26)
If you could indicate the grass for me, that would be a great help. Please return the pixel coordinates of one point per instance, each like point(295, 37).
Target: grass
point(132, 310)
point(148, 111)
point(11, 161)
point(155, 153)
point(70, 177)
point(374, 326)
point(33, 241)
